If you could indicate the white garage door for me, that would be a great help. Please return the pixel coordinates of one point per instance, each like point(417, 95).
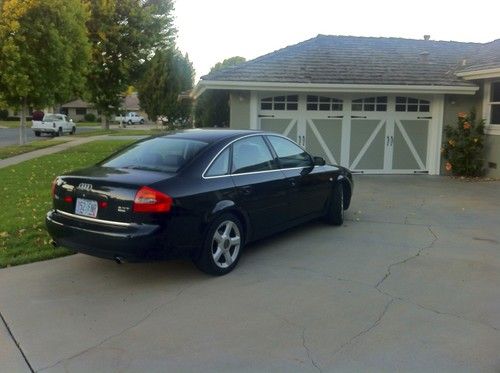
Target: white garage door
point(372, 134)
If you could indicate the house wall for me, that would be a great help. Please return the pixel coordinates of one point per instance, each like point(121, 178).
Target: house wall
point(492, 156)
point(79, 118)
point(239, 114)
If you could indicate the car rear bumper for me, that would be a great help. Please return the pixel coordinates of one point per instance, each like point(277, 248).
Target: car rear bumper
point(130, 242)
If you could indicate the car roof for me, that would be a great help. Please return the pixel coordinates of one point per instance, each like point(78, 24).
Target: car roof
point(211, 135)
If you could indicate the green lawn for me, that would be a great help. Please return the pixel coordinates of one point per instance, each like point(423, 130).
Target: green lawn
point(12, 150)
point(25, 191)
point(13, 124)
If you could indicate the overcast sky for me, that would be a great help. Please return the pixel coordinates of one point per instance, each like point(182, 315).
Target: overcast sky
point(211, 31)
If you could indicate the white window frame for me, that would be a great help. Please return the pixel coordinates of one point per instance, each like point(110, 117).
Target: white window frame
point(490, 129)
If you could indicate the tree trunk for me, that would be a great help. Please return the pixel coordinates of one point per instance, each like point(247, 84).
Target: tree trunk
point(22, 124)
point(104, 122)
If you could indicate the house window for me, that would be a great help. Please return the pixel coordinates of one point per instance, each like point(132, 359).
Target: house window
point(290, 102)
point(410, 104)
point(495, 103)
point(81, 111)
point(378, 103)
point(322, 103)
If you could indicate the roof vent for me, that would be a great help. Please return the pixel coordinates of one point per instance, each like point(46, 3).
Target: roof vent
point(424, 56)
point(427, 37)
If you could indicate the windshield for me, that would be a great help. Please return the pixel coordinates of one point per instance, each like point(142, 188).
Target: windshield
point(49, 117)
point(158, 154)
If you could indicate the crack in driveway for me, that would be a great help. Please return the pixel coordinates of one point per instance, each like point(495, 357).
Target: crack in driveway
point(388, 273)
point(144, 318)
point(9, 331)
point(304, 340)
point(366, 330)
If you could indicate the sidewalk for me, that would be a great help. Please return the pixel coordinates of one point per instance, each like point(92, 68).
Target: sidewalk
point(58, 148)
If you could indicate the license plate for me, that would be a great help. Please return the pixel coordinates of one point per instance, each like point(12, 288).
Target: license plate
point(86, 207)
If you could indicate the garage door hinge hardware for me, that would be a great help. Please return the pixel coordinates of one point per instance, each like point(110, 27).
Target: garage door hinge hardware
point(420, 172)
point(265, 116)
point(335, 116)
point(358, 116)
point(424, 117)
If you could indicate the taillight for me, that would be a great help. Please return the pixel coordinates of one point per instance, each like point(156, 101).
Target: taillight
point(150, 200)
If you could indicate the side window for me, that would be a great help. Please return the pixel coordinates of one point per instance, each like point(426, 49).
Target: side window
point(251, 155)
point(289, 154)
point(220, 166)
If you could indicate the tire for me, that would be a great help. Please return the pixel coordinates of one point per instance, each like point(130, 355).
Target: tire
point(222, 246)
point(59, 132)
point(73, 131)
point(335, 213)
point(142, 121)
point(130, 123)
point(37, 133)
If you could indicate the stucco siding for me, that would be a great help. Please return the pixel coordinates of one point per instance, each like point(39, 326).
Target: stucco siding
point(492, 156)
point(239, 115)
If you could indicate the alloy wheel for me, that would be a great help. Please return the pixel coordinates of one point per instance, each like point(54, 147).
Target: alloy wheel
point(226, 244)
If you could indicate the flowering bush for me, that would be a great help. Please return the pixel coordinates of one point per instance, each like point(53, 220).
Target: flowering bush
point(463, 149)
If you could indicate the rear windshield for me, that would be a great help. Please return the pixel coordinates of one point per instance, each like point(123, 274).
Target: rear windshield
point(51, 117)
point(160, 154)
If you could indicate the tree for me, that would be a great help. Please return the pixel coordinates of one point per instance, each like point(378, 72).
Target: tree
point(212, 107)
point(124, 34)
point(167, 75)
point(44, 53)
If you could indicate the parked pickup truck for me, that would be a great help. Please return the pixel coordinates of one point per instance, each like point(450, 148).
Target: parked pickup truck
point(130, 118)
point(54, 124)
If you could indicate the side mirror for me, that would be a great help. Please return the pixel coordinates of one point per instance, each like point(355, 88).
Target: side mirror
point(318, 161)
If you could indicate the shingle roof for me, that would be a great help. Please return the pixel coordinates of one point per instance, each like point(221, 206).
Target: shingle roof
point(357, 60)
point(77, 104)
point(486, 57)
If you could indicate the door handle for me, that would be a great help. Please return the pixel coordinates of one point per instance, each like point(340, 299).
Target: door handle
point(246, 190)
point(388, 140)
point(293, 182)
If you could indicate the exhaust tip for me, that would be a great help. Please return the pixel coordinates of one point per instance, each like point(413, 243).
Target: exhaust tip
point(119, 260)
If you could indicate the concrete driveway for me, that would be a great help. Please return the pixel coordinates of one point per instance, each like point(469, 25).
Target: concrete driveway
point(411, 282)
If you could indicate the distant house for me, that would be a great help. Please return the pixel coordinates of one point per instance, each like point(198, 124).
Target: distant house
point(374, 105)
point(77, 109)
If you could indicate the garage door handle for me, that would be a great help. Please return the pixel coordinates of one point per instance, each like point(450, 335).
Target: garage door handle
point(358, 116)
point(265, 116)
point(293, 182)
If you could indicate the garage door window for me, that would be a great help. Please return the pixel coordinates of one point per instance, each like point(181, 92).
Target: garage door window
point(410, 104)
point(370, 104)
point(321, 103)
point(290, 102)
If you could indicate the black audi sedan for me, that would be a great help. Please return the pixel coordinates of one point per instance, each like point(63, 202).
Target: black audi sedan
point(200, 194)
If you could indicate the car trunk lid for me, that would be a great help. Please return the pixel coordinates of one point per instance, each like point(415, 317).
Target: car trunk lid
point(104, 193)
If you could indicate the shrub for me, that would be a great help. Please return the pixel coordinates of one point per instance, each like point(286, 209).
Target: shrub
point(4, 114)
point(90, 117)
point(463, 149)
